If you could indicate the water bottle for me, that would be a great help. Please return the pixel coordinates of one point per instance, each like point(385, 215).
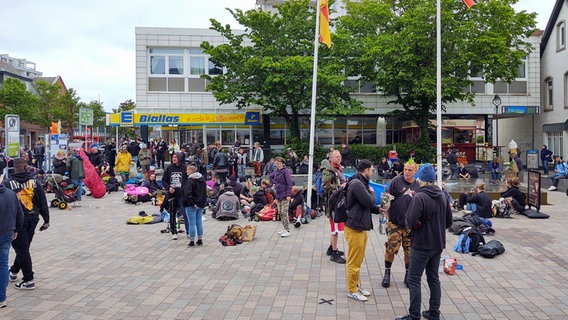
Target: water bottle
point(382, 224)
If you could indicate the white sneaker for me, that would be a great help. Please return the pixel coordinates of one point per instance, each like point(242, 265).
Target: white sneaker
point(551, 188)
point(285, 234)
point(364, 292)
point(203, 218)
point(281, 231)
point(174, 236)
point(357, 296)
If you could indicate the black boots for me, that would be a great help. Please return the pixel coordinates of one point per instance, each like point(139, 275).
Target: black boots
point(387, 278)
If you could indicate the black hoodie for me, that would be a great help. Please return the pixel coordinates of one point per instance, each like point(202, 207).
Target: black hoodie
point(430, 207)
point(11, 215)
point(195, 191)
point(31, 194)
point(175, 176)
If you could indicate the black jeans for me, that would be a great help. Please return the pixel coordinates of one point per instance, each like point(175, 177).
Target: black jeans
point(160, 159)
point(176, 203)
point(21, 245)
point(420, 261)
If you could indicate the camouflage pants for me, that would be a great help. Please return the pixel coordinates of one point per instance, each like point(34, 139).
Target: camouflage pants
point(397, 236)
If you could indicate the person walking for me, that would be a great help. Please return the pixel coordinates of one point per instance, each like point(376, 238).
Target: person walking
point(360, 198)
point(332, 178)
point(11, 220)
point(77, 174)
point(428, 216)
point(173, 180)
point(282, 181)
point(402, 188)
point(33, 203)
point(545, 157)
point(194, 202)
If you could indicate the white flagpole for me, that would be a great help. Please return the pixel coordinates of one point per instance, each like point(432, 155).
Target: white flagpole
point(313, 111)
point(439, 92)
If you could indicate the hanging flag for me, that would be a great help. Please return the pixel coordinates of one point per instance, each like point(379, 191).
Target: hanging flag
point(325, 36)
point(469, 3)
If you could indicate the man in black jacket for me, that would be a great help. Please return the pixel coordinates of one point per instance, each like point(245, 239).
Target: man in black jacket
point(34, 204)
point(173, 180)
point(360, 198)
point(428, 216)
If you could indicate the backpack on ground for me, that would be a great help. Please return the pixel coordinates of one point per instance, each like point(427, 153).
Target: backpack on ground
point(469, 240)
point(490, 249)
point(112, 184)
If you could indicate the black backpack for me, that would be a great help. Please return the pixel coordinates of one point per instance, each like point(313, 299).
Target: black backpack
point(338, 204)
point(490, 249)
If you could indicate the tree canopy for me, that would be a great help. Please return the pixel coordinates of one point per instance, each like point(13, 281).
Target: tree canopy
point(392, 44)
point(270, 65)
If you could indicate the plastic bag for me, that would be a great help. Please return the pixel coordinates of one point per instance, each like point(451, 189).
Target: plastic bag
point(133, 171)
point(450, 266)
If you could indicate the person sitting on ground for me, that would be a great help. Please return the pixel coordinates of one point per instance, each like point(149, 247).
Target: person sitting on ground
point(462, 172)
point(258, 201)
point(513, 197)
point(105, 171)
point(296, 207)
point(495, 169)
point(560, 172)
point(246, 197)
point(478, 200)
point(383, 168)
point(268, 190)
point(227, 207)
point(236, 185)
point(154, 188)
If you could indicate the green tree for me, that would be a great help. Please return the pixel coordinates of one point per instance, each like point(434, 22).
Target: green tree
point(48, 108)
point(270, 65)
point(68, 111)
point(16, 99)
point(392, 44)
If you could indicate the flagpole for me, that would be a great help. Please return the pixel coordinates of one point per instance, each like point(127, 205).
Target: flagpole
point(313, 110)
point(439, 92)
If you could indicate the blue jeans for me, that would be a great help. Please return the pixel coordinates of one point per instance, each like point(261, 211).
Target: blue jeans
point(5, 242)
point(420, 261)
point(194, 215)
point(454, 169)
point(39, 162)
point(241, 170)
point(495, 175)
point(545, 166)
point(78, 183)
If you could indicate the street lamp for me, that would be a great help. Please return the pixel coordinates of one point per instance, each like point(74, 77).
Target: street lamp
point(496, 102)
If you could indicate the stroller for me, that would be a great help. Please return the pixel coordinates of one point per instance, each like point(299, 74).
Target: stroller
point(65, 191)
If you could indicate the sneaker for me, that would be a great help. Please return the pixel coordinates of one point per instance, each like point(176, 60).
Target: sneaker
point(174, 236)
point(329, 251)
point(25, 285)
point(191, 244)
point(297, 224)
point(285, 234)
point(337, 258)
point(281, 232)
point(357, 296)
point(13, 276)
point(2, 304)
point(364, 292)
point(426, 314)
point(199, 242)
point(203, 218)
point(551, 188)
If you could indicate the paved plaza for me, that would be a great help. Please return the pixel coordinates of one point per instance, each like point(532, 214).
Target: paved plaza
point(91, 265)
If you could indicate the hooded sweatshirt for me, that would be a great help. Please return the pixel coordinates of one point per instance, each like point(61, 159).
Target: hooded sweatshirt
point(430, 207)
point(175, 176)
point(75, 166)
point(11, 215)
point(195, 191)
point(31, 194)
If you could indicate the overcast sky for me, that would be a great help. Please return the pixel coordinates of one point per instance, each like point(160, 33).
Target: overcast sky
point(91, 43)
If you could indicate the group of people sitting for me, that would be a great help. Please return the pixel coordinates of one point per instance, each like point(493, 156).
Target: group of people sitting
point(479, 202)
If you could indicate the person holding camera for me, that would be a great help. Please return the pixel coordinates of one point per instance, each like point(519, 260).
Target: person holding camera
point(34, 203)
point(479, 201)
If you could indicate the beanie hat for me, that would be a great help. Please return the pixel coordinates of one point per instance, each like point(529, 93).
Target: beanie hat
point(426, 173)
point(94, 145)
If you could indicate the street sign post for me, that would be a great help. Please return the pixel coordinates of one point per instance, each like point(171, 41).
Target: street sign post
point(12, 138)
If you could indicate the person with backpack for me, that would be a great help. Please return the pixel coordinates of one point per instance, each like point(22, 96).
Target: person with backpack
point(194, 202)
point(560, 172)
point(34, 204)
point(282, 181)
point(402, 188)
point(545, 157)
point(428, 216)
point(359, 201)
point(332, 178)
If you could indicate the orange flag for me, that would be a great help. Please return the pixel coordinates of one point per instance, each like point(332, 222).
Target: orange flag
point(469, 3)
point(325, 36)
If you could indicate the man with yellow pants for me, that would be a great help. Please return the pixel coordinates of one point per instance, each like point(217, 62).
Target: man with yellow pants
point(360, 199)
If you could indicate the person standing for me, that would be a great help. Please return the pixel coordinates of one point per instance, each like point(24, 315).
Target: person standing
point(402, 188)
point(161, 148)
point(453, 162)
point(194, 202)
point(282, 181)
point(346, 158)
point(545, 157)
point(173, 180)
point(123, 161)
point(241, 162)
point(33, 203)
point(360, 198)
point(39, 154)
point(95, 157)
point(257, 157)
point(110, 155)
point(77, 174)
point(428, 216)
point(221, 165)
point(332, 178)
point(145, 158)
point(11, 220)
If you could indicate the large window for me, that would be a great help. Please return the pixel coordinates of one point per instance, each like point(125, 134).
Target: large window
point(519, 86)
point(561, 35)
point(548, 94)
point(555, 142)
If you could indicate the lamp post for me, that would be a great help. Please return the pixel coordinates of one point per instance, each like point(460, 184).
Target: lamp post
point(497, 102)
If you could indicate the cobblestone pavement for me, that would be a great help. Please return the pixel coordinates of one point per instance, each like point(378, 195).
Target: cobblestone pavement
point(91, 265)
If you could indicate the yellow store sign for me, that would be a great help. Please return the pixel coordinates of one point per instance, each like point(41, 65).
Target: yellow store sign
point(166, 119)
